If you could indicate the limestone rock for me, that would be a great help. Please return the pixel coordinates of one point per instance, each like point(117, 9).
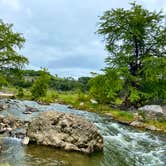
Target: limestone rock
point(93, 101)
point(151, 127)
point(25, 141)
point(154, 112)
point(152, 108)
point(66, 131)
point(137, 124)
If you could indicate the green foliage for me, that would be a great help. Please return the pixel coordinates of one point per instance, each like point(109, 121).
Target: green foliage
point(64, 84)
point(122, 115)
point(40, 86)
point(105, 88)
point(20, 92)
point(83, 83)
point(9, 41)
point(136, 67)
point(3, 81)
point(50, 97)
point(81, 96)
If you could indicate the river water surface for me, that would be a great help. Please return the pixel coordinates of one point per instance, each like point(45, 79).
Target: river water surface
point(123, 145)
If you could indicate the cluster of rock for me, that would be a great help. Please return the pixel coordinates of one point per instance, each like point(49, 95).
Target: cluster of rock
point(11, 126)
point(149, 112)
point(15, 104)
point(60, 130)
point(66, 131)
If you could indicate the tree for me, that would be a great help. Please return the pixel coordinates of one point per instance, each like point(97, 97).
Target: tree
point(40, 86)
point(136, 42)
point(84, 83)
point(10, 41)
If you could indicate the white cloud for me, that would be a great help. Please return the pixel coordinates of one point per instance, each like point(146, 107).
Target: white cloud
point(60, 33)
point(12, 4)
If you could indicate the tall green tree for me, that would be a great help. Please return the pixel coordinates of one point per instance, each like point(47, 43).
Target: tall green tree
point(136, 41)
point(10, 43)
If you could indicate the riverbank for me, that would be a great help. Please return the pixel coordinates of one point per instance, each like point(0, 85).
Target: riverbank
point(121, 143)
point(80, 101)
point(130, 118)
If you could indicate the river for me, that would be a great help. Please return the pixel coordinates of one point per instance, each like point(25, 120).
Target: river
point(123, 145)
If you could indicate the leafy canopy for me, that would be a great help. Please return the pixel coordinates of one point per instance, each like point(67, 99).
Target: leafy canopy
point(10, 42)
point(136, 41)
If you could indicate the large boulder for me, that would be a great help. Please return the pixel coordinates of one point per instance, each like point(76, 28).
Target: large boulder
point(153, 112)
point(152, 108)
point(66, 131)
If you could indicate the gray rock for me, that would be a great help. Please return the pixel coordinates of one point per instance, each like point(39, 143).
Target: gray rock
point(82, 104)
point(27, 112)
point(137, 124)
point(164, 109)
point(152, 112)
point(66, 131)
point(31, 109)
point(11, 126)
point(93, 101)
point(151, 127)
point(18, 133)
point(70, 106)
point(25, 141)
point(152, 108)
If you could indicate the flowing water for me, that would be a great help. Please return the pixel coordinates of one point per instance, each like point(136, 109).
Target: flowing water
point(123, 145)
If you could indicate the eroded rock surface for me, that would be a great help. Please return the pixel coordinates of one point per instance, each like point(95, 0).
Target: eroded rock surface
point(11, 126)
point(66, 131)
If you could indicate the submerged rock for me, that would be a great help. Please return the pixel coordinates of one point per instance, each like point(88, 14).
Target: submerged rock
point(66, 131)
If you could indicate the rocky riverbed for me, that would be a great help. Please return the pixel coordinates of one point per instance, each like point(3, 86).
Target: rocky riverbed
point(123, 145)
point(51, 128)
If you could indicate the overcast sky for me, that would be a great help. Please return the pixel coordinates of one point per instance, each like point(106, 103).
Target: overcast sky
point(60, 33)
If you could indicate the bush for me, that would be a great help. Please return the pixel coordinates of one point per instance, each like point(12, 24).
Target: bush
point(20, 92)
point(40, 86)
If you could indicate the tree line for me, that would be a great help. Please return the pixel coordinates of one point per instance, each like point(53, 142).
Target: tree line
point(135, 72)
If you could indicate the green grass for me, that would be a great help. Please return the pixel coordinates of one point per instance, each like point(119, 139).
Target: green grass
point(9, 90)
point(123, 116)
point(157, 124)
point(82, 101)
